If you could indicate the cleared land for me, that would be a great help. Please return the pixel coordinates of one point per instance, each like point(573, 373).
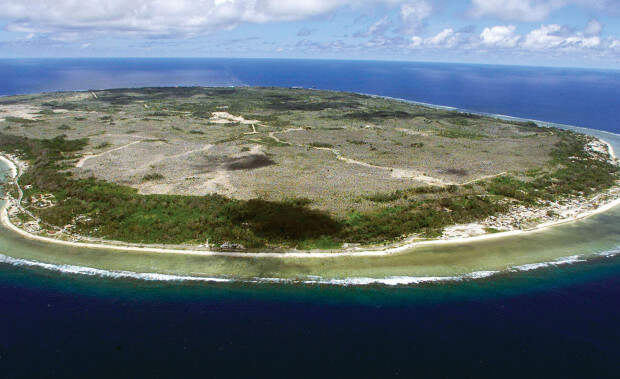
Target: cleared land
point(280, 167)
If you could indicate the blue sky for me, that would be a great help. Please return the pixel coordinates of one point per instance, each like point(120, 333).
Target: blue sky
point(583, 33)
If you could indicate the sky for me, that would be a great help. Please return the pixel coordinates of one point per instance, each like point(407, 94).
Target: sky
point(568, 33)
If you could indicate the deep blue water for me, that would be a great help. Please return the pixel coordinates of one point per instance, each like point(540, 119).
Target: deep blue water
point(588, 98)
point(556, 322)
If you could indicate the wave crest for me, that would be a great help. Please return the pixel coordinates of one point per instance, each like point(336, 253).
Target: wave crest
point(352, 281)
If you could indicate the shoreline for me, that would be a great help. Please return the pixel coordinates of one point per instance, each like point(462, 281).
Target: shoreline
point(362, 252)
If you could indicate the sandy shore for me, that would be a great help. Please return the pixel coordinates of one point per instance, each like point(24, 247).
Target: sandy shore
point(362, 252)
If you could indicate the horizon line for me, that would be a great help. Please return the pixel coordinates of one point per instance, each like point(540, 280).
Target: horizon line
point(322, 59)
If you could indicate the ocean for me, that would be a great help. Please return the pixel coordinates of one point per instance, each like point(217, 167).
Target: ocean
point(554, 321)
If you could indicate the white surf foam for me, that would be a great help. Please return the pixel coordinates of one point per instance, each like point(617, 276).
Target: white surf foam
point(89, 271)
point(352, 281)
point(400, 280)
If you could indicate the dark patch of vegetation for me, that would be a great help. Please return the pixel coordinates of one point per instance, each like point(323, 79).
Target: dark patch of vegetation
point(159, 114)
point(417, 145)
point(249, 162)
point(64, 127)
point(461, 133)
point(428, 217)
point(12, 101)
point(357, 142)
point(19, 120)
point(492, 230)
point(105, 118)
point(194, 131)
point(321, 144)
point(48, 151)
point(102, 145)
point(155, 140)
point(463, 116)
point(80, 118)
point(323, 243)
point(303, 105)
point(376, 115)
point(387, 197)
point(457, 171)
point(67, 106)
point(154, 176)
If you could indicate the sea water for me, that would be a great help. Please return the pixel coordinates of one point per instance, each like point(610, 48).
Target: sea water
point(558, 317)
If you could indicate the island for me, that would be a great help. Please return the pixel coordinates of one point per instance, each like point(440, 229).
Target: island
point(247, 170)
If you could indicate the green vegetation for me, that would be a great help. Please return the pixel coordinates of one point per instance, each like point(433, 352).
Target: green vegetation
point(428, 217)
point(321, 144)
point(19, 120)
point(460, 133)
point(578, 173)
point(377, 115)
point(154, 176)
point(492, 230)
point(159, 114)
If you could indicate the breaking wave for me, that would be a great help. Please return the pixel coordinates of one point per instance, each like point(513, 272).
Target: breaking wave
point(353, 281)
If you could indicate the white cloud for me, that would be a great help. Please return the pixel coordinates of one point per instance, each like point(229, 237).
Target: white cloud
point(379, 27)
point(414, 13)
point(416, 42)
point(593, 28)
point(157, 18)
point(608, 7)
point(444, 38)
point(556, 36)
point(545, 37)
point(447, 38)
point(551, 38)
point(537, 10)
point(500, 36)
point(521, 10)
